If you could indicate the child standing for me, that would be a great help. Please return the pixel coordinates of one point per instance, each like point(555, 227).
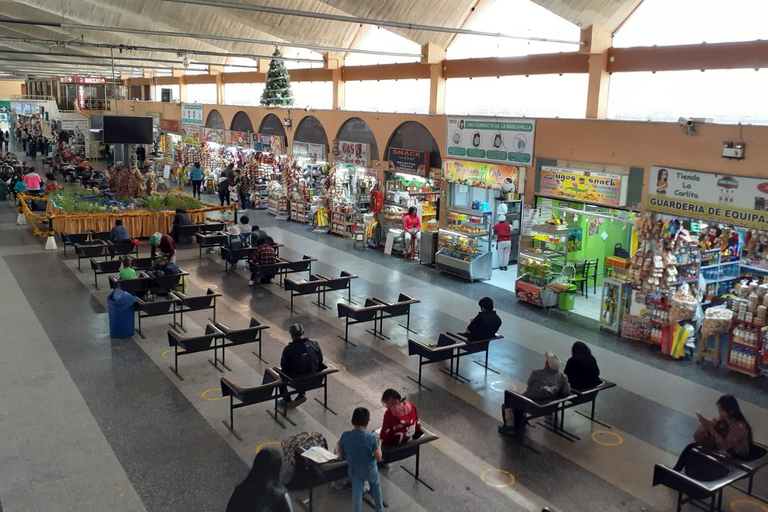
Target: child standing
point(362, 451)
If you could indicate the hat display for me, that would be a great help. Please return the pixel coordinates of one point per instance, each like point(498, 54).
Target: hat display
point(552, 359)
point(296, 329)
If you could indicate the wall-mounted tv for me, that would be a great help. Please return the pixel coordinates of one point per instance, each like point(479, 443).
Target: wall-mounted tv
point(127, 130)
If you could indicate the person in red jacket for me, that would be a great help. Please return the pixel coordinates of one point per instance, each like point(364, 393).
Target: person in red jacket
point(401, 421)
point(412, 228)
point(503, 241)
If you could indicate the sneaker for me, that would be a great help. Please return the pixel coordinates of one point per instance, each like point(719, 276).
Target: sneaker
point(299, 400)
point(251, 282)
point(507, 430)
point(281, 402)
point(366, 487)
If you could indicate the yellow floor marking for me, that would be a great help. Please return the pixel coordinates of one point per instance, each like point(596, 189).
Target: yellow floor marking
point(497, 478)
point(166, 352)
point(204, 395)
point(751, 505)
point(617, 442)
point(262, 445)
point(502, 385)
point(241, 308)
point(211, 286)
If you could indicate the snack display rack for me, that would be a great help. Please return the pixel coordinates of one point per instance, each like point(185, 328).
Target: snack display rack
point(543, 254)
point(463, 247)
point(300, 211)
point(342, 221)
point(748, 330)
point(260, 196)
point(718, 273)
point(277, 205)
point(391, 219)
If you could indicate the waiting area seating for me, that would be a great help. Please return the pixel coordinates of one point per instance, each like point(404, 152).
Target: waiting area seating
point(473, 347)
point(104, 267)
point(320, 285)
point(250, 334)
point(230, 255)
point(269, 390)
point(444, 350)
point(89, 250)
point(375, 310)
point(188, 303)
point(396, 309)
point(305, 383)
point(209, 240)
point(148, 309)
point(184, 345)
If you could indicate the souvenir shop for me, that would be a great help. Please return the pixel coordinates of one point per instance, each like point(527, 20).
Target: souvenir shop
point(347, 189)
point(309, 149)
point(573, 237)
point(170, 141)
point(702, 263)
point(480, 194)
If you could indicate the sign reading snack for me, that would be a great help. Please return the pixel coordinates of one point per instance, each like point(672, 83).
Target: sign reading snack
point(706, 196)
point(491, 140)
point(408, 161)
point(482, 175)
point(587, 186)
point(192, 113)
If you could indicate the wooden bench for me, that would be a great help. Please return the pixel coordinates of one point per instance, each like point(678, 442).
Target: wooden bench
point(104, 267)
point(295, 266)
point(370, 312)
point(343, 282)
point(533, 409)
point(207, 240)
point(193, 345)
point(473, 347)
point(269, 390)
point(444, 350)
point(313, 286)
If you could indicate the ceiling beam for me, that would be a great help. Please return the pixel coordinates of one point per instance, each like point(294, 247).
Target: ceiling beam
point(741, 55)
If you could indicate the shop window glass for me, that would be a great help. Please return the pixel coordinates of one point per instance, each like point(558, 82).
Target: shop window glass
point(310, 129)
point(408, 96)
point(317, 95)
point(517, 96)
point(673, 22)
point(530, 20)
point(201, 93)
point(725, 96)
point(464, 195)
point(247, 95)
point(357, 130)
point(374, 38)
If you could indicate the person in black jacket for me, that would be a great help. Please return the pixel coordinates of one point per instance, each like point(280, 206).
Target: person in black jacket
point(302, 356)
point(486, 324)
point(582, 370)
point(261, 491)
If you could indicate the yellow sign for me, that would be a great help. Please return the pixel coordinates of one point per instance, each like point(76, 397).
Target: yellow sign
point(587, 186)
point(744, 217)
point(482, 175)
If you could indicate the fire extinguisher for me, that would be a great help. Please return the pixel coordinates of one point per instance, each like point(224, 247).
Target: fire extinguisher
point(377, 201)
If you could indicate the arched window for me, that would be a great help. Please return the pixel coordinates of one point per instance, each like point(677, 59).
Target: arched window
point(272, 125)
point(415, 136)
point(241, 123)
point(310, 129)
point(214, 120)
point(355, 129)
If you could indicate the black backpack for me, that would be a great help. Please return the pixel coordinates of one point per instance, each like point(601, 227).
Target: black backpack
point(309, 360)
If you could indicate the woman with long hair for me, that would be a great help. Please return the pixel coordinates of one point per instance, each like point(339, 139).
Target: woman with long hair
point(401, 420)
point(261, 491)
point(582, 370)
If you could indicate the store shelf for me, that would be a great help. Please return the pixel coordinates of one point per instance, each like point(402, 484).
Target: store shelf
point(464, 235)
point(744, 345)
point(757, 269)
point(742, 369)
point(744, 322)
point(548, 229)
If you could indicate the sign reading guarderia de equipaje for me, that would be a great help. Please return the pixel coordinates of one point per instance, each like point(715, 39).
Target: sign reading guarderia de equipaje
point(706, 196)
point(507, 141)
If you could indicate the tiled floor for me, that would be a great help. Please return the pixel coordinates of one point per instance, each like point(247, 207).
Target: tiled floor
point(95, 423)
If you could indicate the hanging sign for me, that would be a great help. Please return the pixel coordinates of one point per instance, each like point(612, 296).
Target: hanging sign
point(358, 153)
point(169, 125)
point(81, 96)
point(192, 135)
point(482, 175)
point(85, 80)
point(491, 140)
point(408, 161)
point(705, 196)
point(239, 139)
point(74, 125)
point(214, 135)
point(587, 186)
point(192, 113)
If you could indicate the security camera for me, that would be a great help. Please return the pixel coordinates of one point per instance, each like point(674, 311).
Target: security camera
point(186, 61)
point(685, 121)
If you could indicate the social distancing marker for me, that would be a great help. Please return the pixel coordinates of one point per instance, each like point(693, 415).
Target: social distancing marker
point(340, 367)
point(206, 286)
point(748, 506)
point(241, 308)
point(262, 445)
point(213, 398)
point(40, 374)
point(497, 478)
point(166, 352)
point(605, 438)
point(502, 385)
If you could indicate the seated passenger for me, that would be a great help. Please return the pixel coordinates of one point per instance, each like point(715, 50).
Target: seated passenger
point(127, 272)
point(293, 479)
point(581, 369)
point(486, 323)
point(302, 356)
point(180, 218)
point(401, 420)
point(256, 235)
point(546, 383)
point(261, 490)
point(233, 242)
point(263, 255)
point(119, 233)
point(728, 433)
point(245, 229)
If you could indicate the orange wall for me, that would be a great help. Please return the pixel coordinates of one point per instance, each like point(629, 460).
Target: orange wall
point(624, 143)
point(10, 88)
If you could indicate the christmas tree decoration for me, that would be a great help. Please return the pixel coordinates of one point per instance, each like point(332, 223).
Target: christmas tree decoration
point(277, 92)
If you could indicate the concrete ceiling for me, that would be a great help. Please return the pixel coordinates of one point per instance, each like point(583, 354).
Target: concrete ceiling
point(159, 15)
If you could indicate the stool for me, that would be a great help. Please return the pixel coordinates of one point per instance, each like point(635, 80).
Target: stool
point(712, 353)
point(412, 252)
point(357, 236)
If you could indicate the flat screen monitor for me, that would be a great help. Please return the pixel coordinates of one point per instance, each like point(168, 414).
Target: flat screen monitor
point(127, 130)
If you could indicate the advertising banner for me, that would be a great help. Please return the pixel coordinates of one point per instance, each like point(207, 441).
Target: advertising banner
point(317, 151)
point(408, 161)
point(169, 125)
point(239, 139)
point(75, 125)
point(192, 113)
point(358, 153)
point(300, 149)
point(491, 140)
point(586, 186)
point(482, 175)
point(192, 135)
point(214, 135)
point(705, 196)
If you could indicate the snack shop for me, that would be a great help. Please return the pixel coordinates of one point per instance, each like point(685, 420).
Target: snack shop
point(702, 260)
point(576, 240)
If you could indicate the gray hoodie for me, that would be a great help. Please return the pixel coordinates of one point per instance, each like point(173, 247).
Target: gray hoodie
point(547, 383)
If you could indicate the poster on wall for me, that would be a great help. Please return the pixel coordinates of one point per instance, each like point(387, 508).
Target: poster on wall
point(707, 196)
point(239, 139)
point(491, 140)
point(408, 161)
point(192, 135)
point(169, 125)
point(214, 135)
point(586, 186)
point(358, 153)
point(530, 219)
point(192, 113)
point(300, 149)
point(317, 151)
point(483, 175)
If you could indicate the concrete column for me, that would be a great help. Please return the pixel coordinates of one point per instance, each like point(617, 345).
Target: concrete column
point(598, 41)
point(335, 62)
point(217, 71)
point(182, 85)
point(434, 56)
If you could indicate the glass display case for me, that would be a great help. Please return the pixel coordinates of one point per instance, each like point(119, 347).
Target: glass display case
point(463, 248)
point(543, 254)
point(391, 220)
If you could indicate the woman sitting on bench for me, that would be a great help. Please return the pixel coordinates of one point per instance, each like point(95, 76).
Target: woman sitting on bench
point(401, 421)
point(582, 370)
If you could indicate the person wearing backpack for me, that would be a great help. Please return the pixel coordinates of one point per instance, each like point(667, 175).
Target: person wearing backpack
point(302, 356)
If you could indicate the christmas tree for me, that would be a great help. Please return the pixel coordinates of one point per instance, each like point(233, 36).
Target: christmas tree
point(277, 92)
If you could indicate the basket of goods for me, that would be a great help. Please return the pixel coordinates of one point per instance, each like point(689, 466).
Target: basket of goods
point(717, 320)
point(683, 305)
point(644, 226)
point(615, 262)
